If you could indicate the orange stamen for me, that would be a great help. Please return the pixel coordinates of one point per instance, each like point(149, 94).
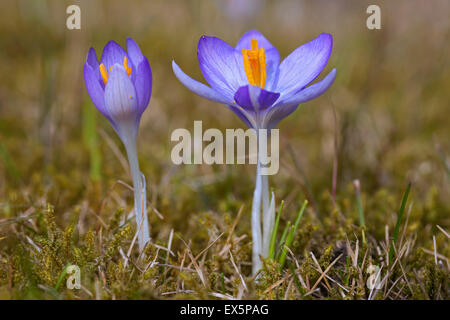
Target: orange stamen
point(255, 64)
point(104, 72)
point(127, 68)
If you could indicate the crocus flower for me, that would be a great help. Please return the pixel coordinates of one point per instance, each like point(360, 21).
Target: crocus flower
point(120, 86)
point(252, 82)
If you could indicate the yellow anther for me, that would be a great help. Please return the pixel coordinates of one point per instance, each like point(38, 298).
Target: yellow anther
point(104, 73)
point(127, 68)
point(254, 44)
point(255, 64)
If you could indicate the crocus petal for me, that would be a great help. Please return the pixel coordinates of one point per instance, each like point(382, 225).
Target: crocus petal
point(311, 92)
point(199, 88)
point(221, 66)
point(121, 101)
point(243, 115)
point(244, 41)
point(285, 107)
point(92, 61)
point(112, 54)
point(304, 64)
point(272, 68)
point(143, 84)
point(95, 90)
point(134, 52)
point(255, 99)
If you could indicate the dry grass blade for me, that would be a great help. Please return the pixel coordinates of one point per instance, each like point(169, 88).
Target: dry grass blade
point(115, 149)
point(194, 262)
point(273, 286)
point(325, 272)
point(237, 270)
point(15, 220)
point(133, 242)
point(222, 296)
point(435, 250)
point(443, 231)
point(319, 269)
point(207, 247)
point(440, 256)
point(230, 234)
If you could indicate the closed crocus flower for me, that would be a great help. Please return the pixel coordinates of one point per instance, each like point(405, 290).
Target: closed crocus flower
point(252, 82)
point(120, 86)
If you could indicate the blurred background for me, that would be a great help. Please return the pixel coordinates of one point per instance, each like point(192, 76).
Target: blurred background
point(385, 121)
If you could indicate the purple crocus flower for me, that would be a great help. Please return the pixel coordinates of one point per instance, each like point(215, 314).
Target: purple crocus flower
point(120, 87)
point(252, 82)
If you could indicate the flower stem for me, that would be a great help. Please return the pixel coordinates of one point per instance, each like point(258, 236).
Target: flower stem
point(267, 219)
point(256, 222)
point(139, 194)
point(261, 238)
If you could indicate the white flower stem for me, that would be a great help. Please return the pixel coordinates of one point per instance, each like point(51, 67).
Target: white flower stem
point(140, 209)
point(256, 222)
point(267, 219)
point(261, 238)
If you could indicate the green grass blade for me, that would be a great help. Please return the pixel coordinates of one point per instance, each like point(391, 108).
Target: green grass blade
point(61, 277)
point(287, 228)
point(273, 239)
point(297, 281)
point(222, 282)
point(290, 237)
point(362, 222)
point(399, 221)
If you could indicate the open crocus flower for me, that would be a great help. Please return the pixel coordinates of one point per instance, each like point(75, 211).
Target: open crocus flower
point(120, 87)
point(252, 82)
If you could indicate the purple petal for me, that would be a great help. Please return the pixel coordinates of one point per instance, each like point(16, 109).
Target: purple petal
point(304, 64)
point(121, 100)
point(143, 84)
point(112, 54)
point(243, 116)
point(255, 99)
point(244, 42)
point(134, 52)
point(197, 87)
point(92, 61)
point(311, 92)
point(95, 90)
point(276, 114)
point(221, 65)
point(272, 68)
point(285, 107)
